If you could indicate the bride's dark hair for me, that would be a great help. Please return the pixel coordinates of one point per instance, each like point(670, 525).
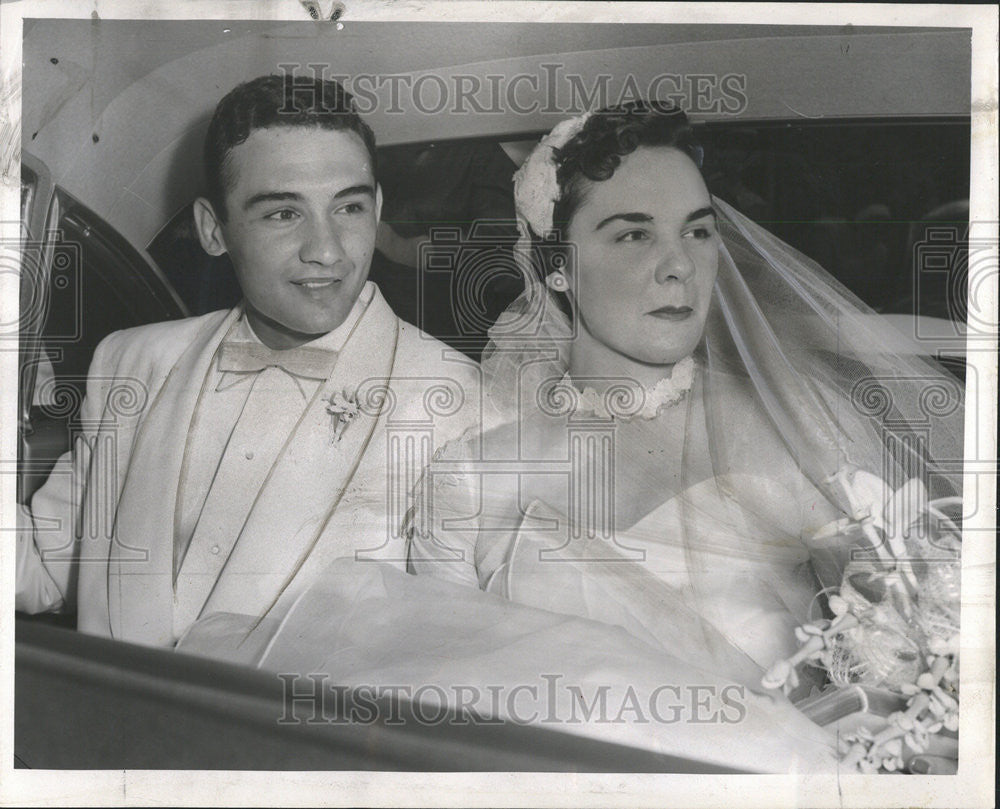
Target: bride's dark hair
point(596, 151)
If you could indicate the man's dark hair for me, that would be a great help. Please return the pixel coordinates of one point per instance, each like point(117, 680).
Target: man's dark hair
point(272, 101)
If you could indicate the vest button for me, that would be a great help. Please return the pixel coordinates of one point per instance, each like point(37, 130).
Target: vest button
point(214, 549)
point(248, 454)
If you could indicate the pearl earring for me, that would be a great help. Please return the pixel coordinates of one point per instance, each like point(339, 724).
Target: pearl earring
point(557, 282)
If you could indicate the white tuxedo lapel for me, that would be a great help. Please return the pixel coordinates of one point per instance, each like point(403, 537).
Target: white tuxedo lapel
point(140, 560)
point(311, 474)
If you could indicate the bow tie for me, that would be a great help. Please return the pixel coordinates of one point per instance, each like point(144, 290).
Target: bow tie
point(250, 357)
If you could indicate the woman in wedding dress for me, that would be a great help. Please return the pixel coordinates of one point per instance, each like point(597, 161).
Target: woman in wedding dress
point(697, 427)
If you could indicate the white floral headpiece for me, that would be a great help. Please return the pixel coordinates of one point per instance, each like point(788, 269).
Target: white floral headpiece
point(536, 189)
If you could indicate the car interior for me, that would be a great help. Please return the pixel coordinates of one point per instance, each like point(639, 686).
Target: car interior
point(880, 201)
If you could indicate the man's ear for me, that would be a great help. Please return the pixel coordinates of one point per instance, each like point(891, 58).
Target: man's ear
point(209, 227)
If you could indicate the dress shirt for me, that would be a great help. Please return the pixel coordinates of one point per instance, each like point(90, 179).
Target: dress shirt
point(228, 399)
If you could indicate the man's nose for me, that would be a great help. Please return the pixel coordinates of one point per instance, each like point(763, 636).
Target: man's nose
point(322, 244)
point(674, 264)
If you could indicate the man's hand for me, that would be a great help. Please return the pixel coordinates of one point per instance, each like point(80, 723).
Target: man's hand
point(35, 590)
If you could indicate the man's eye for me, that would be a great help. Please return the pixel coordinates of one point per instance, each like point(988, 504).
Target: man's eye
point(353, 207)
point(284, 215)
point(633, 236)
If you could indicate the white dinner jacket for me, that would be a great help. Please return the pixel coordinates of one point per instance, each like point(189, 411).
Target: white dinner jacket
point(322, 500)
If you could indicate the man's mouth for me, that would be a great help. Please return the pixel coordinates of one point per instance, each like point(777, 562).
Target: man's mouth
point(672, 312)
point(316, 283)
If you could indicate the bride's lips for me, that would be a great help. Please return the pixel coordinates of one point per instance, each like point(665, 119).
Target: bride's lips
point(672, 312)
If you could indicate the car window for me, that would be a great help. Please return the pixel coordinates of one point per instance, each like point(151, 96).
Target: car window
point(869, 201)
point(97, 284)
point(205, 283)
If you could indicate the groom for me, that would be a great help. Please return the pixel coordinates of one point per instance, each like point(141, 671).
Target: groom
point(267, 440)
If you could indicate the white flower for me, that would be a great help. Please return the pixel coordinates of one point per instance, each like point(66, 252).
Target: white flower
point(536, 189)
point(343, 410)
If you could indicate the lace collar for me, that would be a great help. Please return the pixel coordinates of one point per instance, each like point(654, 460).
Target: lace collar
point(626, 402)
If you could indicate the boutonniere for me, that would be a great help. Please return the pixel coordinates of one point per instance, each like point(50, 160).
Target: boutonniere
point(343, 409)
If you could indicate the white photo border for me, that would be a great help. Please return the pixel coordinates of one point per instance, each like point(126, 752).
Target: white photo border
point(973, 786)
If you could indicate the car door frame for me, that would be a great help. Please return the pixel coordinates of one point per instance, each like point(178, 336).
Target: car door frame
point(38, 235)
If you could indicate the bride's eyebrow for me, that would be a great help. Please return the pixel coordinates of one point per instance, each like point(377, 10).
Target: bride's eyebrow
point(701, 213)
point(634, 216)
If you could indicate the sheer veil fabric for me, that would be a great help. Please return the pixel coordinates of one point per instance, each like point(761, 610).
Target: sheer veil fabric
point(839, 385)
point(798, 386)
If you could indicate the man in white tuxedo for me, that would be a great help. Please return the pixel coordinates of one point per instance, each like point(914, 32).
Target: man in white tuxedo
point(254, 445)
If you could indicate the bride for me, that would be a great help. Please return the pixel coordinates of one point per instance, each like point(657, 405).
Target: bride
point(698, 429)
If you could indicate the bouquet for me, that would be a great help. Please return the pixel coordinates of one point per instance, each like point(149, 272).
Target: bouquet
point(892, 621)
